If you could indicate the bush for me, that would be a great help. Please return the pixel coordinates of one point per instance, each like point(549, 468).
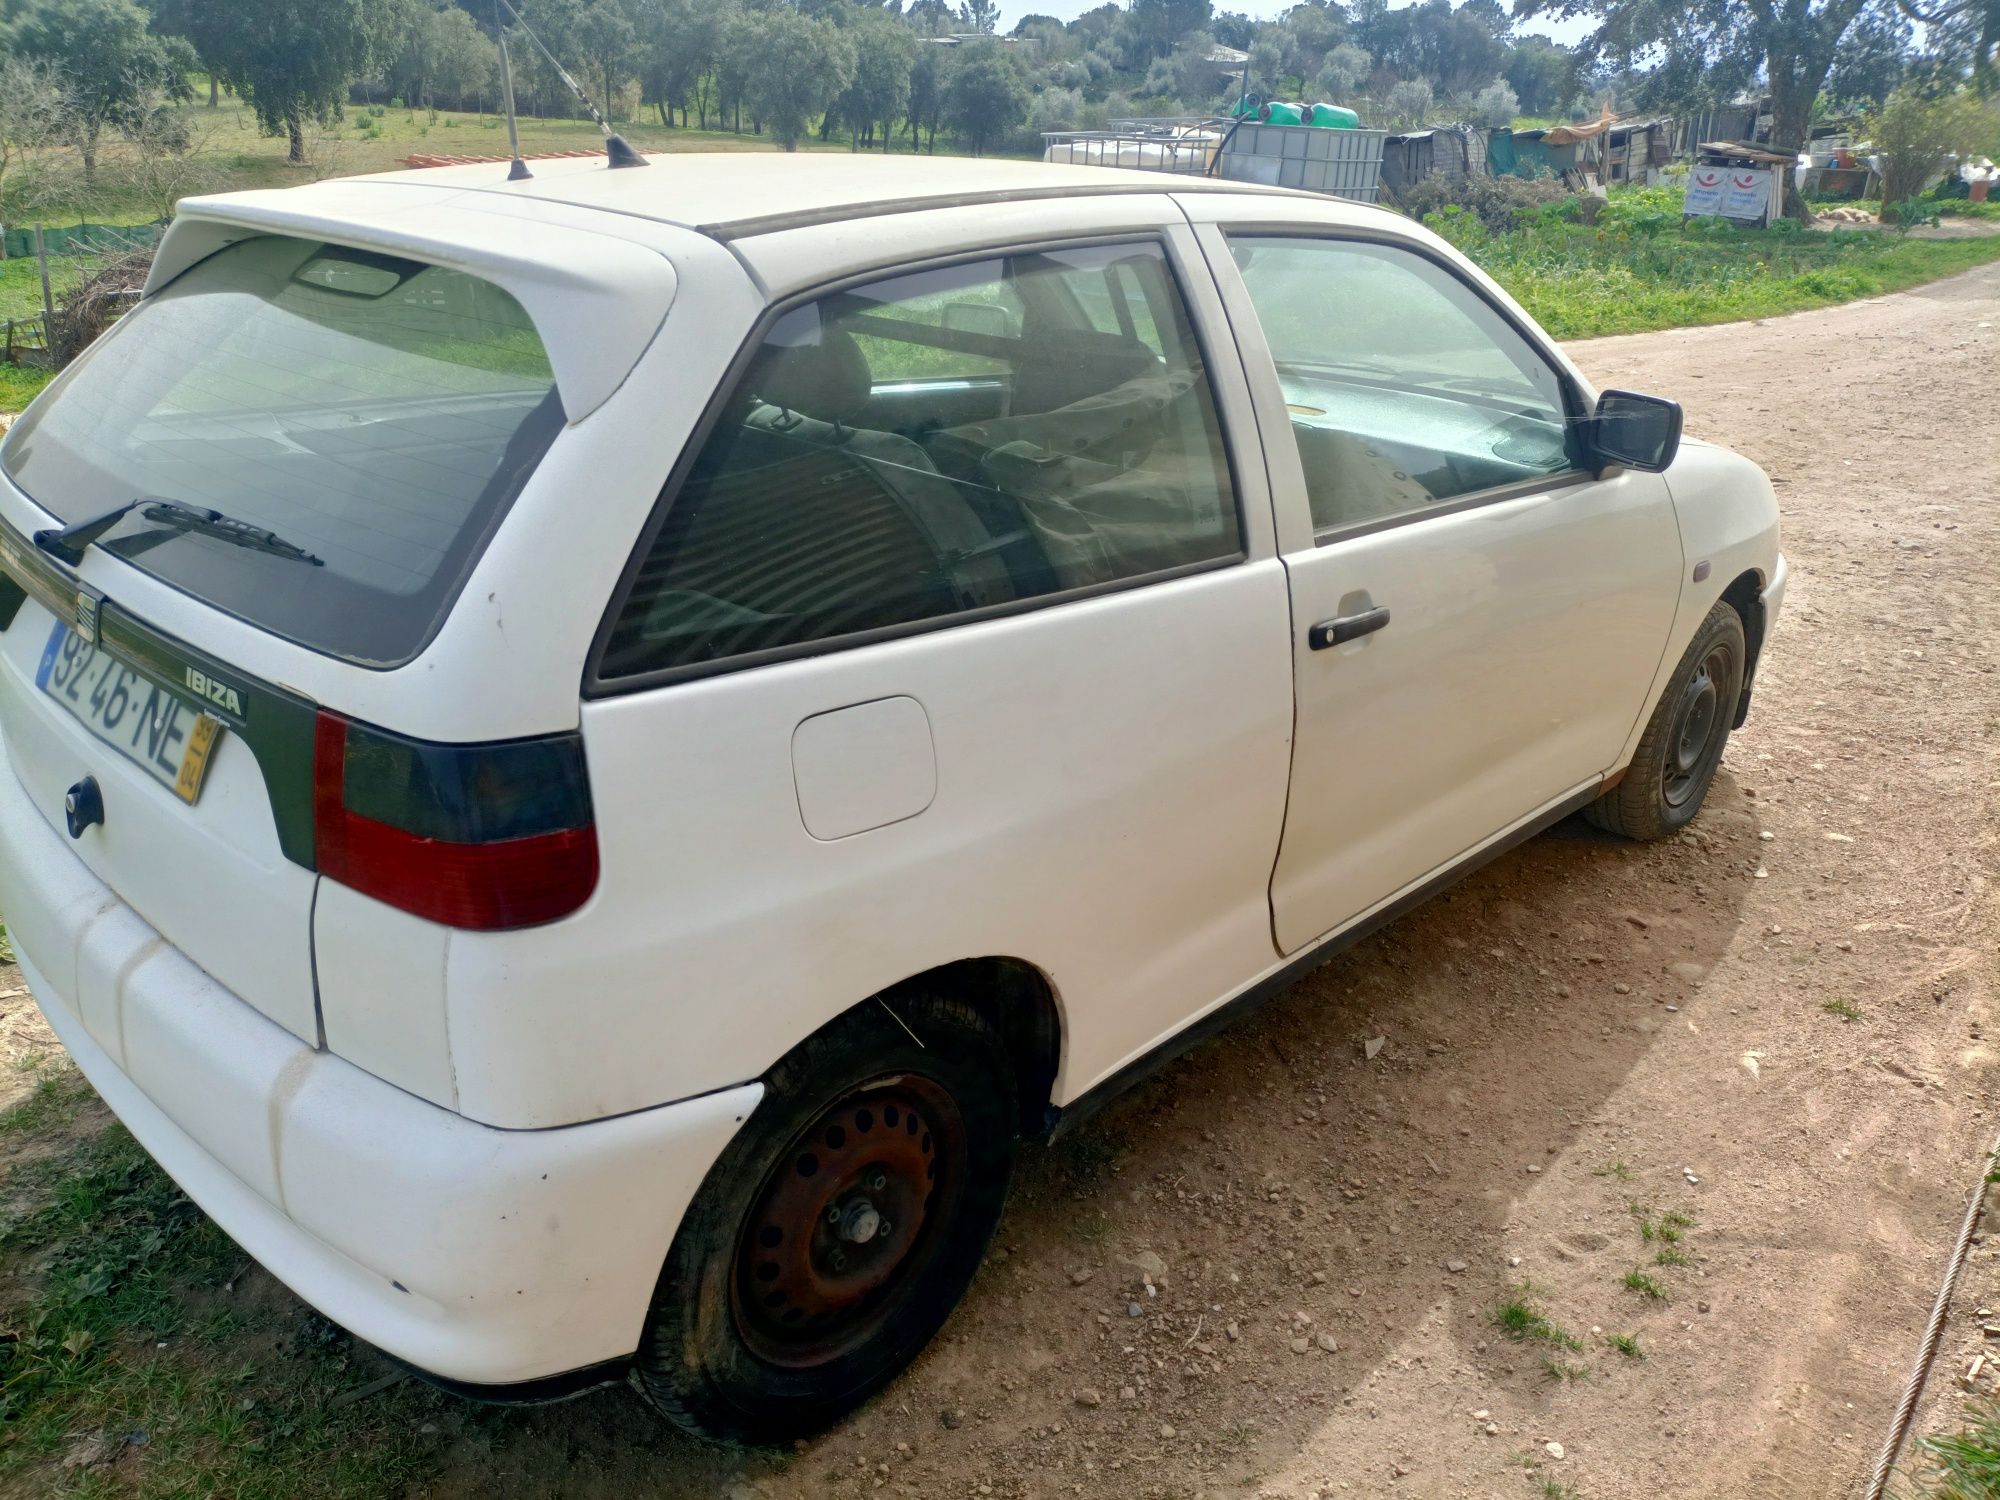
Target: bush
point(1915, 137)
point(1499, 203)
point(1495, 105)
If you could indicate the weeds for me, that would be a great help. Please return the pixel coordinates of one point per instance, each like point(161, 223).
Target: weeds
point(1616, 1169)
point(1520, 1318)
point(1646, 1285)
point(1963, 1465)
point(1626, 1344)
point(1563, 1371)
point(1845, 1009)
point(1672, 1257)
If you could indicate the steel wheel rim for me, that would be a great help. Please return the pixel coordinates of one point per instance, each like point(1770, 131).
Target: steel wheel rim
point(1696, 733)
point(847, 1221)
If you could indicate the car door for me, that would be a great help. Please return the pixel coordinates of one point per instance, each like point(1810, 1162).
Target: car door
point(1477, 616)
point(873, 700)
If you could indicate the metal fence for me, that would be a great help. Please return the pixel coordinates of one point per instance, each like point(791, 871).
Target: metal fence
point(1342, 163)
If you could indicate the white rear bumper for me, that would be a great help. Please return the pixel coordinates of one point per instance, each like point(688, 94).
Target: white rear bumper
point(485, 1256)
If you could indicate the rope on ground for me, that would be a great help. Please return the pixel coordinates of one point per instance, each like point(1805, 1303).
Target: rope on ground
point(1906, 1409)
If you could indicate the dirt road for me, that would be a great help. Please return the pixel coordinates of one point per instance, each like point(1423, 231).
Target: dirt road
point(1747, 1069)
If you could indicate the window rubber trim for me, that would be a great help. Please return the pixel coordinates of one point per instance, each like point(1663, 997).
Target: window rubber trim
point(1575, 408)
point(596, 685)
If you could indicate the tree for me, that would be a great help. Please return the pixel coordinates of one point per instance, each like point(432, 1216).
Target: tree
point(885, 51)
point(1914, 138)
point(1409, 102)
point(1494, 106)
point(1792, 42)
point(797, 67)
point(987, 95)
point(441, 50)
point(293, 61)
point(606, 38)
point(930, 73)
point(1543, 75)
point(1158, 25)
point(1872, 60)
point(1341, 75)
point(34, 102)
point(680, 42)
point(982, 16)
point(1962, 34)
point(106, 58)
point(192, 21)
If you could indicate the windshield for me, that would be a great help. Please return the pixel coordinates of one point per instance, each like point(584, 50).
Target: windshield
point(377, 413)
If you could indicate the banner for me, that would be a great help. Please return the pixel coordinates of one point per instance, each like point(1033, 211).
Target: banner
point(1746, 193)
point(1704, 191)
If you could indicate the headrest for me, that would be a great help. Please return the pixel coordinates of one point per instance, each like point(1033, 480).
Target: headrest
point(828, 380)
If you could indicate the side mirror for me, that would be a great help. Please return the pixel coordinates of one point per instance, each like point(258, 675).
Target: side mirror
point(1640, 432)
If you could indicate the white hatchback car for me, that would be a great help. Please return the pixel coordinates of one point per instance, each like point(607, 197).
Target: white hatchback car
point(589, 754)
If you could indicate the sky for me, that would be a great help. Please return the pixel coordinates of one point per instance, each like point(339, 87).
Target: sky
point(1264, 10)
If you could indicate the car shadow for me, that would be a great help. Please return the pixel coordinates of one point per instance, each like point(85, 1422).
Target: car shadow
point(1170, 1246)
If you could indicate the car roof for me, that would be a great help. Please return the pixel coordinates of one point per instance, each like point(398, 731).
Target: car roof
point(730, 195)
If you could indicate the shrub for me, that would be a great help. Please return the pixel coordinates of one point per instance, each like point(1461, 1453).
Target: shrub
point(1499, 203)
point(1495, 105)
point(1915, 137)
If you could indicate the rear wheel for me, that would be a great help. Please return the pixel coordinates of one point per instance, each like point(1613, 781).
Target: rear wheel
point(1682, 746)
point(839, 1228)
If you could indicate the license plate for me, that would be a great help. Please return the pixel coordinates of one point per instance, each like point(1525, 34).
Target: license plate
point(170, 739)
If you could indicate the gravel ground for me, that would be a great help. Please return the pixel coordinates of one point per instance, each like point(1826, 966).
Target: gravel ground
point(1275, 1269)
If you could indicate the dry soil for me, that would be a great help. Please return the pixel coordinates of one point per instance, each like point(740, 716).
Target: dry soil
point(1274, 1270)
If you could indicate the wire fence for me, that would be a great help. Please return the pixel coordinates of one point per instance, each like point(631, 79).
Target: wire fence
point(67, 254)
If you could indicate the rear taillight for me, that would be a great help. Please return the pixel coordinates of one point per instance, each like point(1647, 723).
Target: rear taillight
point(474, 836)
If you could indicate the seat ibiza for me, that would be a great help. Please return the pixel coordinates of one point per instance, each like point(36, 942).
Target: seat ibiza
point(586, 756)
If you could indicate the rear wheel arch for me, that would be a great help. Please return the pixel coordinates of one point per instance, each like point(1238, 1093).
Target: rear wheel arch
point(1020, 1002)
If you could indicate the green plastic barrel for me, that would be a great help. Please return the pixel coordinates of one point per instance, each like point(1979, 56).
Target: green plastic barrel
point(1333, 117)
point(1283, 114)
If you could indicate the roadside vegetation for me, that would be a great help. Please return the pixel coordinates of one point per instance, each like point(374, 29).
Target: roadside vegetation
point(1962, 1465)
point(1634, 266)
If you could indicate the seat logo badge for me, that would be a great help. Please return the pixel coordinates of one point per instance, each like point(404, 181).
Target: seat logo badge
point(213, 690)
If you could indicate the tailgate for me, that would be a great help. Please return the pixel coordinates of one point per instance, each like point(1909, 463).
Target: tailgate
point(210, 875)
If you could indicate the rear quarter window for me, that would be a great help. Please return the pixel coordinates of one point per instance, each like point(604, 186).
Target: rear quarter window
point(375, 413)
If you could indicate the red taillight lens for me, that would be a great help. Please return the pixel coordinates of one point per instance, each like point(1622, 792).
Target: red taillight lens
point(483, 837)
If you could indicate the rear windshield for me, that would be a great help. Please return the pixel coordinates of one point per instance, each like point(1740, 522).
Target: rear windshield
point(367, 418)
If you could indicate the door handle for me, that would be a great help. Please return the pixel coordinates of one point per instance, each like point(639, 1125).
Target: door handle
point(1347, 628)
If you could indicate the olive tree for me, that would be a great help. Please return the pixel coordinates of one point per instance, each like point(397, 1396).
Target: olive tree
point(795, 67)
point(106, 58)
point(987, 95)
point(292, 61)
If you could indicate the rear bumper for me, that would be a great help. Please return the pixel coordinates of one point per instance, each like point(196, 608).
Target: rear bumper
point(487, 1257)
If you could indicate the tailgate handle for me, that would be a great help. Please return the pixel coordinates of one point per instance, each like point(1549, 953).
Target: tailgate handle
point(1347, 628)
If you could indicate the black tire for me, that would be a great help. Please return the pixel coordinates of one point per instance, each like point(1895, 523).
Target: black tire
point(1682, 746)
point(763, 1329)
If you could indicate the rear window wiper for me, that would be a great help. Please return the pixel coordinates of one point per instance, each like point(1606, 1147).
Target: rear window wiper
point(68, 542)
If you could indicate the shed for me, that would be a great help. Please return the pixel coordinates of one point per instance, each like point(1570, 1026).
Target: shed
point(1455, 152)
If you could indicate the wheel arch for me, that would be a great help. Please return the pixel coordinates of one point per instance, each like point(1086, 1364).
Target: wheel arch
point(1021, 1002)
point(1745, 594)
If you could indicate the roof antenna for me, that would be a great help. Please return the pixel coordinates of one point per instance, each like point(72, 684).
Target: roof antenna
point(615, 149)
point(518, 172)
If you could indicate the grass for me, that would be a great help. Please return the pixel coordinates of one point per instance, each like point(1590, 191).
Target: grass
point(127, 1358)
point(1672, 1257)
point(1845, 1009)
point(1963, 1465)
point(1563, 1372)
point(1616, 1169)
point(1520, 1317)
point(1638, 268)
point(1646, 1285)
point(1626, 1344)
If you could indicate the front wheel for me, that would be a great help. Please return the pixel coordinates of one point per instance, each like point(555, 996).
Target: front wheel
point(1682, 746)
point(839, 1228)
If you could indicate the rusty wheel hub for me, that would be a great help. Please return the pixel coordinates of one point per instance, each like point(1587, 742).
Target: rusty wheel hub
point(841, 1224)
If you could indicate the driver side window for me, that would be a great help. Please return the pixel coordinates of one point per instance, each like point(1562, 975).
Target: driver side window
point(1405, 388)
